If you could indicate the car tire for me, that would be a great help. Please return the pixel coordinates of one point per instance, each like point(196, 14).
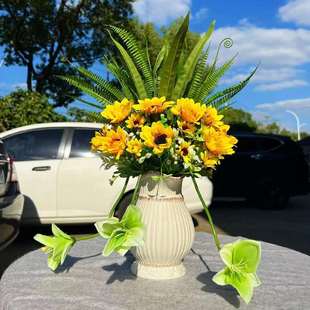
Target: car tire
point(269, 195)
point(123, 205)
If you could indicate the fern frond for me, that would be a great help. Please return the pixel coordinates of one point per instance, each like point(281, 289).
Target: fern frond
point(220, 98)
point(139, 85)
point(212, 80)
point(199, 75)
point(189, 67)
point(140, 58)
point(101, 83)
point(167, 73)
point(99, 94)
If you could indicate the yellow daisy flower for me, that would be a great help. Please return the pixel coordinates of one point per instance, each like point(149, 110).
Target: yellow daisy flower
point(184, 151)
point(113, 142)
point(153, 106)
point(118, 111)
point(209, 160)
point(135, 120)
point(218, 142)
point(158, 137)
point(134, 146)
point(186, 127)
point(188, 110)
point(211, 118)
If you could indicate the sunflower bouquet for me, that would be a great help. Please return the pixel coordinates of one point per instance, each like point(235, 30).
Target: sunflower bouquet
point(164, 117)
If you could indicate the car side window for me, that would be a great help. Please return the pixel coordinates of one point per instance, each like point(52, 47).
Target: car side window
point(246, 145)
point(80, 146)
point(34, 145)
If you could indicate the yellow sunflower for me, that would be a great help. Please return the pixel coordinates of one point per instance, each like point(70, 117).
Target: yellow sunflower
point(135, 146)
point(135, 120)
point(186, 127)
point(184, 151)
point(188, 110)
point(209, 160)
point(158, 137)
point(153, 106)
point(212, 118)
point(113, 142)
point(218, 142)
point(118, 111)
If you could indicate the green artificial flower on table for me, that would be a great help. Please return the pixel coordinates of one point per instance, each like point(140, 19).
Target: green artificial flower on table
point(56, 247)
point(122, 234)
point(241, 259)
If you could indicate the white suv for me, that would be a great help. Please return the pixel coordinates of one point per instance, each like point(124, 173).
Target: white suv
point(63, 181)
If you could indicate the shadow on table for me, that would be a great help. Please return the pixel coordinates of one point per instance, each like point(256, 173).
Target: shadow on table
point(288, 227)
point(121, 272)
point(226, 292)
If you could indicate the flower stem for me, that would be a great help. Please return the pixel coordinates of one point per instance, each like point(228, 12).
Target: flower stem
point(119, 198)
point(136, 192)
point(206, 209)
point(87, 237)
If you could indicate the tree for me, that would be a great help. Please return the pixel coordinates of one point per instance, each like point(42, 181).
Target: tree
point(240, 120)
point(22, 108)
point(39, 34)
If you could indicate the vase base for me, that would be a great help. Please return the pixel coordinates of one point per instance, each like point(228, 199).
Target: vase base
point(158, 273)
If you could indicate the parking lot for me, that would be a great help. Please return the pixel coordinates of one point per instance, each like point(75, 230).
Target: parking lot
point(289, 227)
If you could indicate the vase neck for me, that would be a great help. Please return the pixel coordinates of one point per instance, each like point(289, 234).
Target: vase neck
point(167, 186)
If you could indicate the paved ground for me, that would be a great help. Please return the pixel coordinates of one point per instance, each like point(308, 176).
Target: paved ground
point(289, 227)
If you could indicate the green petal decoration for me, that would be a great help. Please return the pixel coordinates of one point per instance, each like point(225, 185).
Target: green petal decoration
point(122, 234)
point(242, 259)
point(56, 247)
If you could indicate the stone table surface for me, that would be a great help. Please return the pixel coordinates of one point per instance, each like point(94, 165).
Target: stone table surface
point(89, 281)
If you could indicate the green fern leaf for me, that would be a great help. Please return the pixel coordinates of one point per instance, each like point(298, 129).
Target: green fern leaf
point(190, 64)
point(212, 80)
point(220, 98)
point(141, 59)
point(167, 73)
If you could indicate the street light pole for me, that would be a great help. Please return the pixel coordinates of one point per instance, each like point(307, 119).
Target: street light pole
point(297, 123)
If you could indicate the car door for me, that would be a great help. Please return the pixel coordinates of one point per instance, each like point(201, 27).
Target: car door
point(36, 155)
point(84, 191)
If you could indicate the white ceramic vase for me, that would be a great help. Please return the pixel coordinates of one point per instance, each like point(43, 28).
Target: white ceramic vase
point(169, 229)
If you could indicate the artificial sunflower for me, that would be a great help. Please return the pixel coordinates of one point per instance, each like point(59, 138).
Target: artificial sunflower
point(209, 160)
point(113, 143)
point(219, 143)
point(135, 146)
point(154, 105)
point(184, 150)
point(158, 137)
point(118, 111)
point(212, 118)
point(189, 110)
point(135, 120)
point(186, 127)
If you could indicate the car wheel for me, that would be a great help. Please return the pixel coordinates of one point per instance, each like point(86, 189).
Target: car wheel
point(269, 195)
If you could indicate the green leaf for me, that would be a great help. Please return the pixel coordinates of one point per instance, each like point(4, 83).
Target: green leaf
point(107, 226)
point(140, 58)
point(167, 73)
point(132, 69)
point(116, 241)
point(242, 258)
point(132, 218)
point(190, 64)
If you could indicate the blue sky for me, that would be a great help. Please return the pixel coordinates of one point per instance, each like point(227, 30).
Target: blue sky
point(275, 33)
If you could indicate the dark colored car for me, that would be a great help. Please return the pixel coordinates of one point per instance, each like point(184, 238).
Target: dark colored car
point(305, 145)
point(11, 201)
point(266, 170)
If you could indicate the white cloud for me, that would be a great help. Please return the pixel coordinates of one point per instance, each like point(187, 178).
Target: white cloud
point(297, 11)
point(297, 104)
point(200, 15)
point(270, 46)
point(281, 85)
point(160, 12)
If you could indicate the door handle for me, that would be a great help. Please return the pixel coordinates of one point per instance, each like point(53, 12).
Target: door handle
point(41, 168)
point(256, 156)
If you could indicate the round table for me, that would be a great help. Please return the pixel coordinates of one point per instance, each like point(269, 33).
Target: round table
point(90, 281)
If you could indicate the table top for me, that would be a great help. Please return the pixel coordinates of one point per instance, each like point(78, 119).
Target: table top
point(90, 281)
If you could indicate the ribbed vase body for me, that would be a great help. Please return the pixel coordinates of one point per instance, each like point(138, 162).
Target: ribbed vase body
point(169, 229)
